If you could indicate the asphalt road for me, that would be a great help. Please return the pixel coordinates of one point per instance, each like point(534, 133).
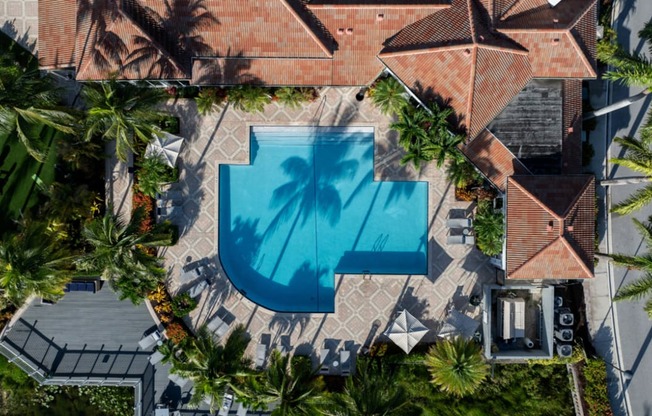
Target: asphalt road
point(635, 328)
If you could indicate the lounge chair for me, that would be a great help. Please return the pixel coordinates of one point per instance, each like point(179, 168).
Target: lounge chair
point(227, 401)
point(324, 367)
point(150, 340)
point(460, 239)
point(217, 326)
point(261, 352)
point(163, 213)
point(459, 222)
point(345, 363)
point(196, 290)
point(156, 357)
point(242, 410)
point(178, 380)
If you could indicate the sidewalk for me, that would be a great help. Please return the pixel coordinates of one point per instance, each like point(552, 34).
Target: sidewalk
point(600, 310)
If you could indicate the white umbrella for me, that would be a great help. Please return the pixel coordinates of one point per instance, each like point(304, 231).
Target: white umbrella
point(406, 331)
point(166, 146)
point(458, 324)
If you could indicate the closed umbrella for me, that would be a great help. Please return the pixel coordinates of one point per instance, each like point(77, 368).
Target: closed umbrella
point(406, 331)
point(167, 146)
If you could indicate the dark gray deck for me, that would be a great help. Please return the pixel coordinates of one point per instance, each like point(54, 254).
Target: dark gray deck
point(531, 126)
point(90, 337)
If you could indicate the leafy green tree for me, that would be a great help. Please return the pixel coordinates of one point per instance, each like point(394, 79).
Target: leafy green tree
point(425, 135)
point(153, 174)
point(121, 253)
point(209, 100)
point(457, 366)
point(294, 97)
point(462, 173)
point(33, 263)
point(370, 392)
point(122, 112)
point(388, 95)
point(642, 287)
point(249, 98)
point(290, 383)
point(27, 101)
point(638, 157)
point(213, 367)
point(489, 229)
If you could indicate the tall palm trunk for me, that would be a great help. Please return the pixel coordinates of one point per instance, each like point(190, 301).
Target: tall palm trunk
point(617, 105)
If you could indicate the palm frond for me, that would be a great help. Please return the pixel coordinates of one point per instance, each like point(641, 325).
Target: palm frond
point(638, 200)
point(635, 290)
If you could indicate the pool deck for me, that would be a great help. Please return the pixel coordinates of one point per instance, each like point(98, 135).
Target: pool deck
point(455, 272)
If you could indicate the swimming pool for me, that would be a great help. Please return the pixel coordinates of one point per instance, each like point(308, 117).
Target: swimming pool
point(307, 208)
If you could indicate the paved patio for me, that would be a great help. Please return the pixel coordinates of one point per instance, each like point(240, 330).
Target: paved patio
point(455, 272)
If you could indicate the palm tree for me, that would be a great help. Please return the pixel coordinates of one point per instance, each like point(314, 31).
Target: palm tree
point(388, 95)
point(213, 367)
point(292, 384)
point(411, 133)
point(642, 287)
point(462, 173)
point(369, 392)
point(26, 102)
point(638, 157)
point(628, 68)
point(153, 174)
point(457, 366)
point(120, 253)
point(122, 112)
point(489, 229)
point(249, 98)
point(33, 263)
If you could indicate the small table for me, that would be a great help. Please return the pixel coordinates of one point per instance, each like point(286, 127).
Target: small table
point(466, 231)
point(336, 363)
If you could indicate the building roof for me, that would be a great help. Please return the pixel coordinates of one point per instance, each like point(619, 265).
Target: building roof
point(493, 159)
point(550, 227)
point(56, 24)
point(466, 65)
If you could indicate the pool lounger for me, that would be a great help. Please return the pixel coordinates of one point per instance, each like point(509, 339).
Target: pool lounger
point(345, 362)
point(156, 357)
point(460, 239)
point(196, 290)
point(323, 361)
point(261, 352)
point(459, 222)
point(150, 340)
point(217, 326)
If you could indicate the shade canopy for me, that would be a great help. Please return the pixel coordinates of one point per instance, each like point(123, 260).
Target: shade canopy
point(406, 331)
point(458, 324)
point(167, 146)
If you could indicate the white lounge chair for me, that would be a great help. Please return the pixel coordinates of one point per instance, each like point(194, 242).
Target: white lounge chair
point(217, 326)
point(323, 361)
point(242, 410)
point(345, 363)
point(156, 357)
point(459, 222)
point(198, 288)
point(460, 239)
point(261, 352)
point(227, 401)
point(178, 380)
point(150, 340)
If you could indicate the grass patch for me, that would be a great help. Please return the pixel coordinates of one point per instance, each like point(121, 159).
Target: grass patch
point(19, 174)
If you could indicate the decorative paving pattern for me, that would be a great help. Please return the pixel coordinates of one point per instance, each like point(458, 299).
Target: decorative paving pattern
point(455, 272)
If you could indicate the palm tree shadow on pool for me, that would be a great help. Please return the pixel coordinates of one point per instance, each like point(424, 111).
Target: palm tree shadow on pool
point(311, 190)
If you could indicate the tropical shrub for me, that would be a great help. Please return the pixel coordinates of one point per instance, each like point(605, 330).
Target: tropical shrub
point(209, 100)
point(249, 98)
point(294, 97)
point(118, 401)
point(169, 124)
point(153, 173)
point(176, 333)
point(462, 173)
point(145, 204)
point(488, 226)
point(388, 95)
point(183, 304)
point(594, 387)
point(457, 366)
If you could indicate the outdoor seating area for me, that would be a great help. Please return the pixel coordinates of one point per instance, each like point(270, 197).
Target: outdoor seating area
point(335, 364)
point(150, 340)
point(217, 326)
point(460, 228)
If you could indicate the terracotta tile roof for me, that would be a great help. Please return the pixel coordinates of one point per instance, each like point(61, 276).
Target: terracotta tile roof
point(56, 31)
point(560, 40)
point(121, 43)
point(355, 62)
point(241, 70)
point(493, 159)
point(572, 127)
point(550, 227)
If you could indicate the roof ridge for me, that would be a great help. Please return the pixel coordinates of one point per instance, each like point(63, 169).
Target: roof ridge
point(535, 199)
point(576, 256)
point(579, 17)
point(469, 105)
point(538, 253)
point(472, 22)
point(507, 14)
point(577, 197)
point(424, 50)
point(503, 49)
point(307, 28)
point(580, 52)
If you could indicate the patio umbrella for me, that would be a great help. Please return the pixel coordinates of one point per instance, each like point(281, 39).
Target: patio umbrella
point(458, 324)
point(406, 331)
point(167, 146)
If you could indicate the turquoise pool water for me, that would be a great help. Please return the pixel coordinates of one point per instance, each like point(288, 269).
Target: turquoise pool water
point(307, 208)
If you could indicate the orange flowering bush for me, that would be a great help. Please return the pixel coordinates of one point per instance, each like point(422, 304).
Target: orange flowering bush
point(176, 332)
